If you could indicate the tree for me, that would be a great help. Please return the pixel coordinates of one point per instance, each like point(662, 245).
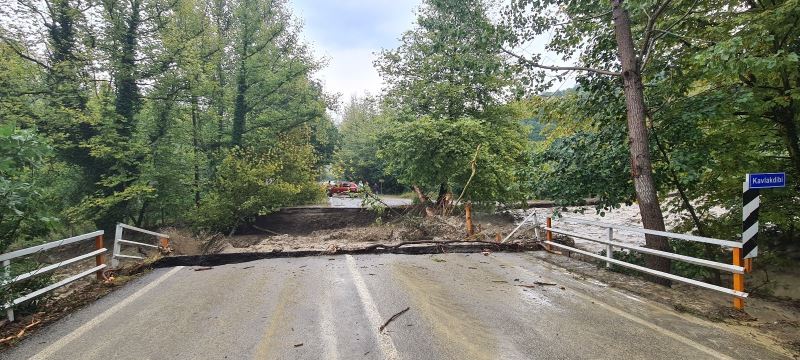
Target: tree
point(361, 128)
point(22, 153)
point(139, 98)
point(581, 20)
point(448, 70)
point(482, 159)
point(584, 144)
point(272, 89)
point(252, 182)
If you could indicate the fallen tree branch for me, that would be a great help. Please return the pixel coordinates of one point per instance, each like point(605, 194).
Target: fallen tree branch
point(561, 68)
point(374, 197)
point(395, 316)
point(21, 332)
point(474, 166)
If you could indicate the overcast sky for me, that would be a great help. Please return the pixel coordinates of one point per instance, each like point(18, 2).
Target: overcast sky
point(348, 33)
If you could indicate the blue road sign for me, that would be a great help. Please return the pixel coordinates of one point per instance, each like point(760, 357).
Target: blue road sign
point(766, 180)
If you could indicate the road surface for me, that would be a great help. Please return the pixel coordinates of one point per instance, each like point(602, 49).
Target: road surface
point(462, 306)
point(355, 202)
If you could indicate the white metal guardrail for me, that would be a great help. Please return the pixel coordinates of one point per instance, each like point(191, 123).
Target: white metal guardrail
point(736, 269)
point(98, 254)
point(119, 241)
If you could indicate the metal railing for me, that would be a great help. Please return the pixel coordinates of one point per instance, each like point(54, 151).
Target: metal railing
point(98, 254)
point(119, 241)
point(736, 269)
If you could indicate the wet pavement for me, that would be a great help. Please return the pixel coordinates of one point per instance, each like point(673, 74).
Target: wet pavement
point(461, 306)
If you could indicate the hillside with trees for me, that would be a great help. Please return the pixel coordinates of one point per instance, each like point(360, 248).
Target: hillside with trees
point(206, 113)
point(150, 112)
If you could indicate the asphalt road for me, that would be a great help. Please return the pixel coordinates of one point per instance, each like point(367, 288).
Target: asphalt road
point(355, 202)
point(462, 306)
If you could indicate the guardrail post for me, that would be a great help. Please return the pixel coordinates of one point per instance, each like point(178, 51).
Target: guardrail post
point(164, 243)
point(7, 275)
point(468, 214)
point(738, 279)
point(549, 234)
point(609, 249)
point(116, 250)
point(100, 259)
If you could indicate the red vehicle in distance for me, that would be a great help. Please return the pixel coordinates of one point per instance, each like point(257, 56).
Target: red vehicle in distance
point(342, 187)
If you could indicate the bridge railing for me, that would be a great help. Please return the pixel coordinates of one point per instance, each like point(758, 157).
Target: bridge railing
point(163, 243)
point(735, 268)
point(98, 254)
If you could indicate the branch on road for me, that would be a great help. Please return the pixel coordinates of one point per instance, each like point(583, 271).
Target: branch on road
point(395, 316)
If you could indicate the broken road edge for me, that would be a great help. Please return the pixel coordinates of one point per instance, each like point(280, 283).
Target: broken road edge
point(409, 248)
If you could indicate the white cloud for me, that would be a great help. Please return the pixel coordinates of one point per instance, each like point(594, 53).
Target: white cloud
point(348, 33)
point(350, 72)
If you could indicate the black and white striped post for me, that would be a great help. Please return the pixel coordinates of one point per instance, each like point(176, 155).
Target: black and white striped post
point(751, 201)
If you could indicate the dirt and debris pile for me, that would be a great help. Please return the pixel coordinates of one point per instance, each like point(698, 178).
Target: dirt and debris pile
point(410, 229)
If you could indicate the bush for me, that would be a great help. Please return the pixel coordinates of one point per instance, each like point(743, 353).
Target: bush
point(256, 182)
point(430, 153)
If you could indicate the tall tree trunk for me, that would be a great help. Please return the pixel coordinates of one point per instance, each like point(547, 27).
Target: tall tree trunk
point(67, 83)
point(240, 107)
point(127, 96)
point(195, 151)
point(641, 166)
point(125, 32)
point(221, 25)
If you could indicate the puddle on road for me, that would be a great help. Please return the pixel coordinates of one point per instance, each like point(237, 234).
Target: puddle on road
point(454, 326)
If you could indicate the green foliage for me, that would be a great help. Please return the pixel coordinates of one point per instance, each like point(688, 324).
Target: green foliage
point(253, 182)
point(430, 152)
point(143, 106)
point(721, 87)
point(630, 257)
point(450, 65)
point(22, 216)
point(580, 155)
point(448, 82)
point(361, 129)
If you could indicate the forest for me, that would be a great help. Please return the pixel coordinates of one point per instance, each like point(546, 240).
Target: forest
point(206, 113)
point(200, 113)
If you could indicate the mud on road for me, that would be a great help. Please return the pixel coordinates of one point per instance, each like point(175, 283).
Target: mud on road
point(329, 229)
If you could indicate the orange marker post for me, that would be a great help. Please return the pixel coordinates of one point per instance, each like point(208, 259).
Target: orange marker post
point(738, 279)
point(100, 258)
point(549, 234)
point(468, 211)
point(748, 265)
